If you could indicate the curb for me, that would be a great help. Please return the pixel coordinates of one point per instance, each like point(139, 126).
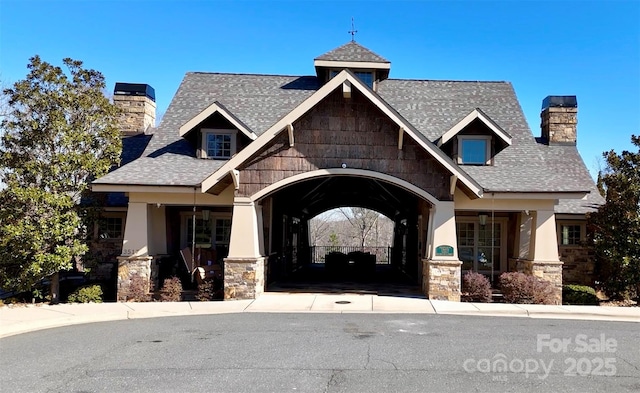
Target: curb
point(18, 320)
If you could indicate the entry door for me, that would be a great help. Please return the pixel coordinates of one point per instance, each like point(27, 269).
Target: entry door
point(477, 248)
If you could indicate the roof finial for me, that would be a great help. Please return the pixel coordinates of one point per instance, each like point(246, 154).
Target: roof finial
point(353, 31)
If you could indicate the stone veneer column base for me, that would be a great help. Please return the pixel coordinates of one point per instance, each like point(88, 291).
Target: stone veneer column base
point(441, 279)
point(128, 267)
point(550, 271)
point(244, 278)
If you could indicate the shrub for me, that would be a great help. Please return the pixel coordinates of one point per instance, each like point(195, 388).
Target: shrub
point(210, 290)
point(138, 290)
point(86, 294)
point(171, 290)
point(523, 288)
point(579, 294)
point(476, 288)
point(205, 291)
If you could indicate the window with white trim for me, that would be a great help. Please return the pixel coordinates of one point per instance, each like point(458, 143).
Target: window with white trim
point(218, 144)
point(474, 149)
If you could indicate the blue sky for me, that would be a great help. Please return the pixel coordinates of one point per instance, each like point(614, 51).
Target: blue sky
point(588, 49)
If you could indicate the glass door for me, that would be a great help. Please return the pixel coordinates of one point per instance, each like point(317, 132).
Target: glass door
point(479, 248)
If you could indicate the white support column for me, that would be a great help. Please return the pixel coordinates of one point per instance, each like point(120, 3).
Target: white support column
point(441, 271)
point(525, 236)
point(157, 230)
point(444, 231)
point(545, 247)
point(544, 263)
point(135, 259)
point(244, 270)
point(136, 236)
point(245, 238)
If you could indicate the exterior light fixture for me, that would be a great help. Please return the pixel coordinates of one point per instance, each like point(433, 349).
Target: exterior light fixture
point(483, 218)
point(343, 165)
point(205, 214)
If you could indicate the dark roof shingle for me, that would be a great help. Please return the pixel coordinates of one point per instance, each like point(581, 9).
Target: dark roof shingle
point(432, 107)
point(352, 51)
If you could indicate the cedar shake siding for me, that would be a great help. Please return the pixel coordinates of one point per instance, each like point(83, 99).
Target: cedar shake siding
point(351, 131)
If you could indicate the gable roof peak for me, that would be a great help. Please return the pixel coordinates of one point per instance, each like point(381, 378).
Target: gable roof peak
point(352, 51)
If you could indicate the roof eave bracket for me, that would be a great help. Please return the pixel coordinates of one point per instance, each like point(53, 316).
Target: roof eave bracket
point(290, 131)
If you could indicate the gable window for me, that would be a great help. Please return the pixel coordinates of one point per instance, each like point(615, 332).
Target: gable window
point(365, 76)
point(570, 235)
point(218, 144)
point(474, 150)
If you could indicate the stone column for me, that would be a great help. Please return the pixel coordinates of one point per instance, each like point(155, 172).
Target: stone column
point(135, 259)
point(244, 268)
point(130, 267)
point(442, 270)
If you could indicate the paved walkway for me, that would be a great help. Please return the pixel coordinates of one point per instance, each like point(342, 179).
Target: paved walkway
point(22, 319)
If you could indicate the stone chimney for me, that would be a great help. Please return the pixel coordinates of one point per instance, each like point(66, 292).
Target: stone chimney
point(559, 119)
point(137, 101)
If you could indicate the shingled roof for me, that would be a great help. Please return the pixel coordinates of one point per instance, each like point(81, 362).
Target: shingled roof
point(432, 107)
point(352, 51)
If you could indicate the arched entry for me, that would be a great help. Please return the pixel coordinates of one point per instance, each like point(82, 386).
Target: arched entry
point(339, 136)
point(287, 211)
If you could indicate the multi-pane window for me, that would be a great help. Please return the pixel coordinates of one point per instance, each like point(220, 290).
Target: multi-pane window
point(478, 246)
point(111, 228)
point(570, 235)
point(366, 77)
point(219, 145)
point(466, 244)
point(203, 231)
point(223, 230)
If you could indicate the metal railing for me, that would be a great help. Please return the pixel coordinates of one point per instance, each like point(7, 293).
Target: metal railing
point(383, 254)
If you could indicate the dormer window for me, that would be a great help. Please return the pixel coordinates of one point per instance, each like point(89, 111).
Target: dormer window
point(365, 76)
point(218, 144)
point(474, 149)
point(474, 140)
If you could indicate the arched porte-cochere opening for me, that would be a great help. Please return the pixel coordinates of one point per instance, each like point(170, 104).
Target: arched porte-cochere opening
point(294, 262)
point(269, 235)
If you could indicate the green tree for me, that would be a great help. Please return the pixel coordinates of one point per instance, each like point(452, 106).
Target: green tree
point(59, 133)
point(615, 227)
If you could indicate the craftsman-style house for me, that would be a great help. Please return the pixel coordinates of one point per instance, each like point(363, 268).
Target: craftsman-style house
point(241, 162)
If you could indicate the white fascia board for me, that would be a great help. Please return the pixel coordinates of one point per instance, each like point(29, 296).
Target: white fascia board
point(426, 144)
point(320, 94)
point(142, 188)
point(536, 195)
point(475, 114)
point(210, 110)
point(352, 64)
point(274, 130)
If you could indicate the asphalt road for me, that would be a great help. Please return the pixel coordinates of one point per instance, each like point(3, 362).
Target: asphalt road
point(257, 352)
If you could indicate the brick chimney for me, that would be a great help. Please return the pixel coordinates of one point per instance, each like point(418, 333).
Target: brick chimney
point(138, 104)
point(559, 119)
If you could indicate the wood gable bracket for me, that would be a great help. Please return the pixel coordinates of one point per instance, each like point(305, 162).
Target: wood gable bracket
point(400, 138)
point(235, 175)
point(346, 89)
point(452, 184)
point(290, 131)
